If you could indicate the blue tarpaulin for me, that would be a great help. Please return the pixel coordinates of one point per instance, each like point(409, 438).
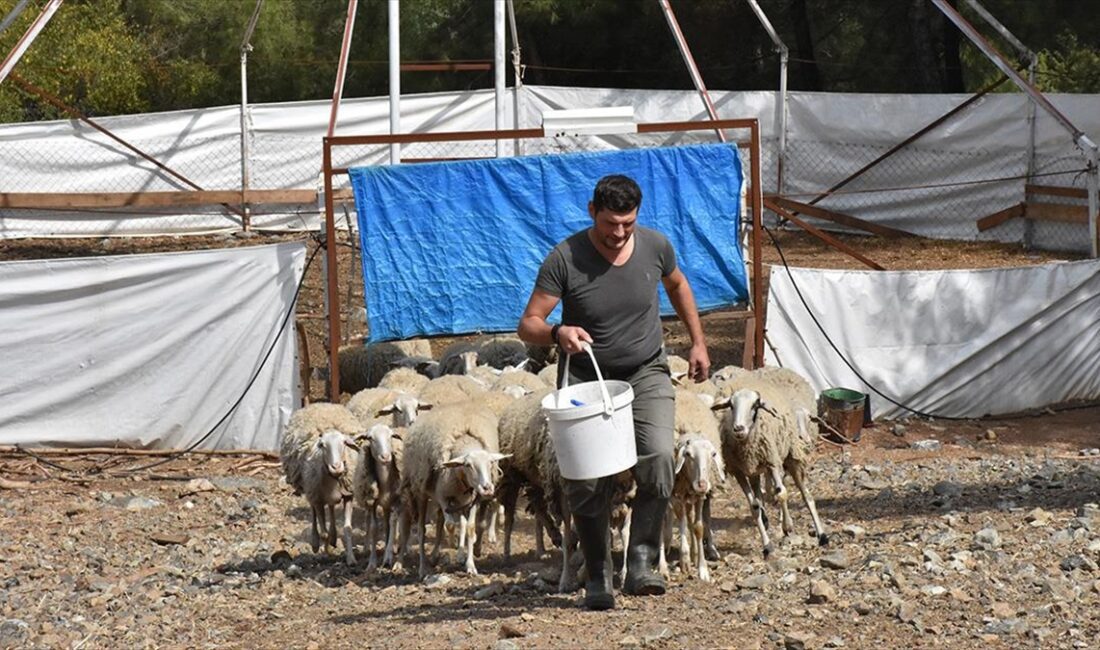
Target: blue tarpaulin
point(454, 247)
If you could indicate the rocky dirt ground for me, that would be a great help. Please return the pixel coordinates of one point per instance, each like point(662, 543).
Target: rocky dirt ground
point(991, 540)
point(964, 534)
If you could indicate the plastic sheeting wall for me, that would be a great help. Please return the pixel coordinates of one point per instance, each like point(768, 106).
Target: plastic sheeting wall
point(452, 248)
point(949, 343)
point(149, 350)
point(830, 135)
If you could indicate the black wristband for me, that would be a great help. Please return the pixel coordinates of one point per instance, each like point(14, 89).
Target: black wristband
point(554, 333)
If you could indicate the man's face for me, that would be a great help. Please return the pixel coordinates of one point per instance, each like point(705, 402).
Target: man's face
point(613, 229)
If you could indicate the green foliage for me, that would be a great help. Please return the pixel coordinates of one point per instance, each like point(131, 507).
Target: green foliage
point(121, 56)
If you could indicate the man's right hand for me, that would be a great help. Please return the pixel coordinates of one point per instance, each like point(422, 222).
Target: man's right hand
point(572, 338)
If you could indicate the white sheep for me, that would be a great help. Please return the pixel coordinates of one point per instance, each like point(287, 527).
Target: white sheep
point(699, 465)
point(376, 486)
point(549, 375)
point(451, 458)
point(533, 469)
point(384, 406)
point(768, 431)
point(404, 379)
point(318, 462)
point(518, 378)
point(449, 389)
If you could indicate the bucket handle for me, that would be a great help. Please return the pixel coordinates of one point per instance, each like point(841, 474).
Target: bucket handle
point(608, 407)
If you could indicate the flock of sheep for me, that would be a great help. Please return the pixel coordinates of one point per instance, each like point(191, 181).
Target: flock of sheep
point(458, 441)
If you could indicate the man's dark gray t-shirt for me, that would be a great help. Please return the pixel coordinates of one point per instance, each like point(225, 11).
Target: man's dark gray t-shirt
point(616, 305)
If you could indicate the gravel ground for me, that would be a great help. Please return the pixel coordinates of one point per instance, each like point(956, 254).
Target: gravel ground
point(979, 534)
point(991, 540)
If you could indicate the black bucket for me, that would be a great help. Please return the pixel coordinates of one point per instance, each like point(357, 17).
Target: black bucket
point(843, 409)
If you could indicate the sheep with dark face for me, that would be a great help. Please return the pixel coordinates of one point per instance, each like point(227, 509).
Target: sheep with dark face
point(318, 458)
point(768, 432)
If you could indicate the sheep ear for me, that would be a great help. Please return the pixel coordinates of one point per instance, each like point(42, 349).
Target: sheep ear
point(351, 444)
point(718, 467)
point(498, 457)
point(425, 406)
point(453, 462)
point(678, 378)
point(680, 458)
point(767, 407)
point(396, 435)
point(723, 403)
point(387, 409)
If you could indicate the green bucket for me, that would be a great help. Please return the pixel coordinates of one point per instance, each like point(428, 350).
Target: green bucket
point(843, 410)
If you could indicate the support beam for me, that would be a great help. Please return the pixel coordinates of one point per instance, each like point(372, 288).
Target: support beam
point(689, 61)
point(822, 235)
point(1082, 141)
point(56, 102)
point(27, 38)
point(781, 100)
point(1001, 216)
point(839, 217)
point(393, 23)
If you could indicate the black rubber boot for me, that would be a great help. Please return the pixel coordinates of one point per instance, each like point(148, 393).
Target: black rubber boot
point(594, 534)
point(646, 524)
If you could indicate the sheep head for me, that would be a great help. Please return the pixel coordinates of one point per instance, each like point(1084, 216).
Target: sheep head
point(478, 470)
point(698, 457)
point(332, 444)
point(404, 408)
point(745, 406)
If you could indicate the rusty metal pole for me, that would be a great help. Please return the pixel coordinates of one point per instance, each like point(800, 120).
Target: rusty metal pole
point(332, 301)
point(757, 262)
point(689, 61)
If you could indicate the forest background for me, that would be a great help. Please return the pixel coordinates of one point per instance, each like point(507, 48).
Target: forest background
point(110, 57)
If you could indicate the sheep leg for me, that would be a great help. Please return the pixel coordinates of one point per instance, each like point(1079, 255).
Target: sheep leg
point(404, 518)
point(750, 489)
point(331, 527)
point(421, 526)
point(699, 529)
point(481, 525)
point(470, 529)
point(494, 514)
point(780, 491)
point(798, 474)
point(681, 512)
point(567, 582)
point(372, 559)
point(391, 527)
point(710, 551)
point(662, 561)
point(315, 535)
point(349, 552)
point(624, 534)
point(509, 502)
point(439, 528)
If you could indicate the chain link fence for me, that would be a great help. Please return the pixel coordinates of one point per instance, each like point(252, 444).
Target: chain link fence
point(83, 182)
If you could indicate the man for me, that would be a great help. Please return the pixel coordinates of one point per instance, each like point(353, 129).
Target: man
point(606, 277)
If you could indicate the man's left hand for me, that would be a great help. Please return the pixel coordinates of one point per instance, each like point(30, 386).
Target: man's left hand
point(699, 363)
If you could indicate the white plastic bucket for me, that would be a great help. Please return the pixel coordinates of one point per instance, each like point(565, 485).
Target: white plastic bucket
point(595, 439)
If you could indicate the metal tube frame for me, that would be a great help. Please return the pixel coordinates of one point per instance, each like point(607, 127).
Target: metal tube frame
point(246, 144)
point(1082, 141)
point(756, 298)
point(689, 61)
point(781, 101)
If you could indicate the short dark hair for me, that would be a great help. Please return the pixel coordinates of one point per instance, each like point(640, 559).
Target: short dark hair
point(616, 193)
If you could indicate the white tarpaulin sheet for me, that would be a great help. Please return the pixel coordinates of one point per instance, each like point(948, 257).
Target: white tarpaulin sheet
point(937, 186)
point(949, 343)
point(149, 350)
